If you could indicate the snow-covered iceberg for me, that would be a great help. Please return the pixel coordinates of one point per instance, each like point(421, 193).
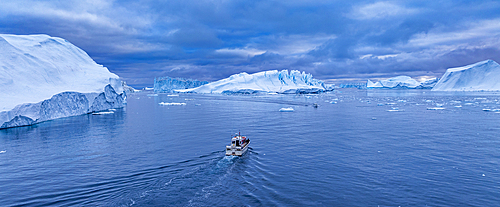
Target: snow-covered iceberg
point(266, 81)
point(481, 76)
point(402, 82)
point(44, 78)
point(428, 84)
point(167, 84)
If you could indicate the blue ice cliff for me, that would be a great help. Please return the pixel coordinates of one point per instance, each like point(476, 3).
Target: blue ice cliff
point(402, 82)
point(168, 85)
point(44, 78)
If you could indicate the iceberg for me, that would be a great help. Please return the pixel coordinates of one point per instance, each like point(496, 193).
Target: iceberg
point(402, 82)
point(168, 85)
point(45, 78)
point(272, 81)
point(129, 89)
point(481, 76)
point(355, 85)
point(428, 84)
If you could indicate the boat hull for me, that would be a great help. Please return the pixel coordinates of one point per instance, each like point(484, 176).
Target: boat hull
point(237, 151)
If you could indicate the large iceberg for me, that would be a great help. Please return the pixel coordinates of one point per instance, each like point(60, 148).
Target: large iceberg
point(481, 76)
point(265, 81)
point(44, 78)
point(402, 82)
point(167, 84)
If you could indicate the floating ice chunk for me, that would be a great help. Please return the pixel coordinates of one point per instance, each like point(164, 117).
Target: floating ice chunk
point(289, 109)
point(436, 108)
point(103, 113)
point(492, 110)
point(333, 102)
point(172, 104)
point(429, 101)
point(374, 118)
point(390, 104)
point(439, 105)
point(197, 104)
point(459, 106)
point(3, 151)
point(393, 110)
point(468, 104)
point(273, 93)
point(172, 95)
point(152, 94)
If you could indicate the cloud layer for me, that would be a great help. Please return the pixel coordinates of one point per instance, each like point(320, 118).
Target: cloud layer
point(212, 39)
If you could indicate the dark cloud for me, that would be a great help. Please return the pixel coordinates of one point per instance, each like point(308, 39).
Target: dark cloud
point(209, 40)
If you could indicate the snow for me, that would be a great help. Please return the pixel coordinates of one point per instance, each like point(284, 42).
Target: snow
point(265, 81)
point(168, 84)
point(481, 76)
point(39, 66)
point(429, 84)
point(45, 77)
point(402, 82)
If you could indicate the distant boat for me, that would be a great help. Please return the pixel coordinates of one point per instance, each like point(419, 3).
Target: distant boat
point(239, 145)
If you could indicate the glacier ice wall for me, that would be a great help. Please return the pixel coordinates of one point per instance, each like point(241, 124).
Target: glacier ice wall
point(61, 105)
point(44, 78)
point(265, 81)
point(167, 84)
point(481, 76)
point(402, 82)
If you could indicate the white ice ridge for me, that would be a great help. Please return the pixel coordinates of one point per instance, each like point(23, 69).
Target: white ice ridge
point(40, 73)
point(266, 81)
point(481, 76)
point(402, 82)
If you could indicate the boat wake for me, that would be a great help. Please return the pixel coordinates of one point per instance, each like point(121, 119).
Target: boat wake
point(198, 179)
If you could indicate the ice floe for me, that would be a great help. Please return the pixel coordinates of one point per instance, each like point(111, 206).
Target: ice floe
point(289, 109)
point(172, 104)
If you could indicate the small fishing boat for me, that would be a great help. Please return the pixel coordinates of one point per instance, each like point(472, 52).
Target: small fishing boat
point(239, 145)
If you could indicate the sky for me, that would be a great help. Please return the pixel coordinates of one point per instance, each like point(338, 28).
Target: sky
point(336, 41)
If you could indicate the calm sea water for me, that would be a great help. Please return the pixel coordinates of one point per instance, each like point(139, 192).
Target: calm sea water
point(358, 148)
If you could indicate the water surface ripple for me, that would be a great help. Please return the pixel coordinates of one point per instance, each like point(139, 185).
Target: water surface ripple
point(358, 148)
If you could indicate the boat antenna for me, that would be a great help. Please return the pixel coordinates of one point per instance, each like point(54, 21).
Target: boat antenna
point(239, 133)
